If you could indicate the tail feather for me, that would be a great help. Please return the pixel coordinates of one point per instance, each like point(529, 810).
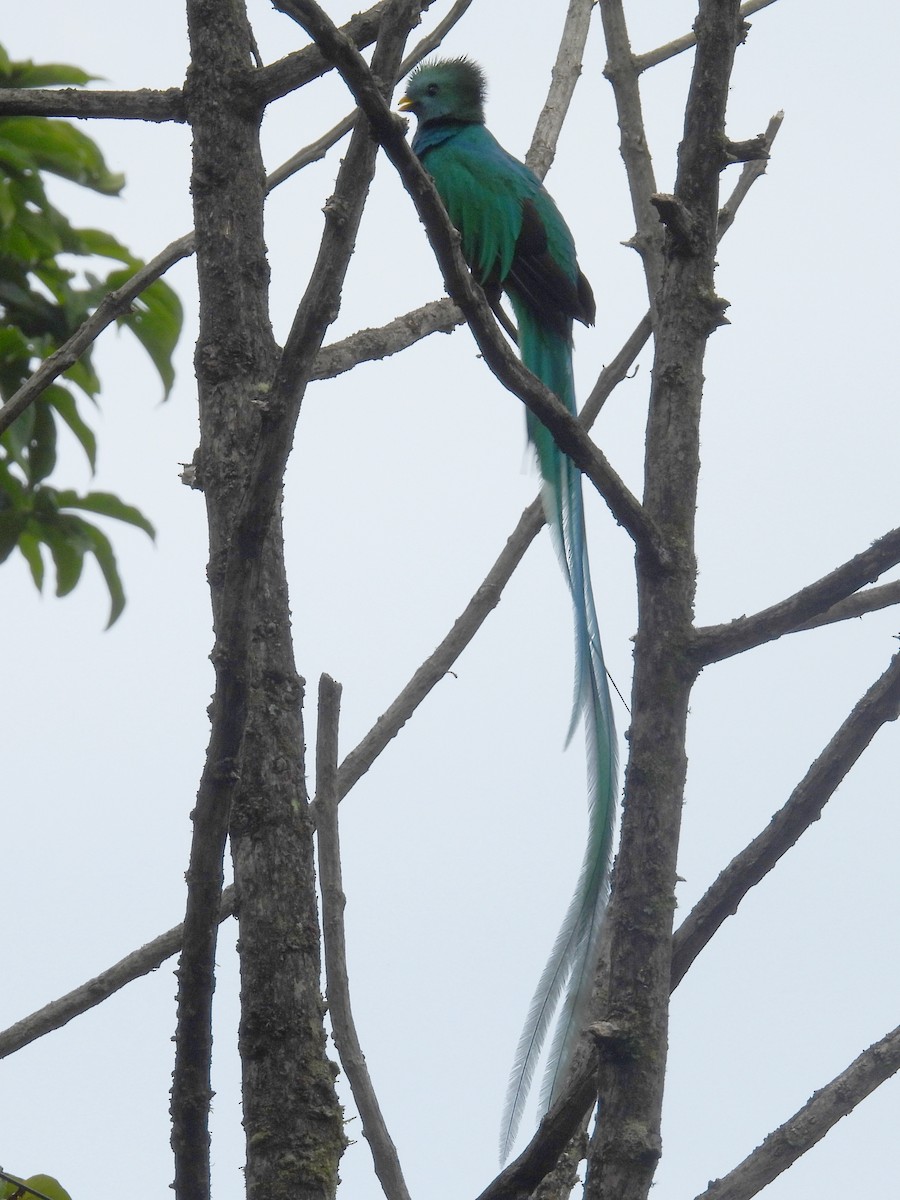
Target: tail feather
point(568, 975)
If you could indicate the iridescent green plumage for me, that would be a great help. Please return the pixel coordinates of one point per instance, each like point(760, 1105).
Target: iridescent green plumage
point(516, 241)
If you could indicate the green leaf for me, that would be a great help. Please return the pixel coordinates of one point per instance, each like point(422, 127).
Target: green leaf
point(8, 207)
point(14, 157)
point(42, 447)
point(30, 548)
point(33, 313)
point(43, 301)
point(11, 525)
point(67, 545)
point(13, 344)
point(96, 241)
point(64, 403)
point(17, 438)
point(107, 505)
point(29, 74)
point(43, 234)
point(59, 147)
point(155, 320)
point(84, 376)
point(49, 1187)
point(106, 560)
point(44, 1185)
point(13, 493)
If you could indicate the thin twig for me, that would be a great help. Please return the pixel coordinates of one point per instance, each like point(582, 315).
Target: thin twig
point(312, 153)
point(713, 643)
point(140, 962)
point(436, 666)
point(809, 1125)
point(880, 704)
point(384, 1152)
point(871, 600)
point(750, 172)
point(432, 40)
point(621, 73)
point(653, 58)
point(566, 73)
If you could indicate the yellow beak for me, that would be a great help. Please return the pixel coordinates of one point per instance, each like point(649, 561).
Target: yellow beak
point(405, 104)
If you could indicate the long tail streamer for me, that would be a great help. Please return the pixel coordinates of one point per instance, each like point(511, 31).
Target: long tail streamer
point(567, 978)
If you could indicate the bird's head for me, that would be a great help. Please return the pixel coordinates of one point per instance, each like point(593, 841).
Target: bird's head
point(445, 88)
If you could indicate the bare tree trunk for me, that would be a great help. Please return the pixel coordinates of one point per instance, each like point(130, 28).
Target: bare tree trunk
point(292, 1118)
point(626, 1145)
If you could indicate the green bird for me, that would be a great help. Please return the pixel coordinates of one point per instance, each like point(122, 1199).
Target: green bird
point(516, 241)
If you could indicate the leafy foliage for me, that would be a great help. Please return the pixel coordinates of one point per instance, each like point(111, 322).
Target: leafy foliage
point(13, 1188)
point(43, 302)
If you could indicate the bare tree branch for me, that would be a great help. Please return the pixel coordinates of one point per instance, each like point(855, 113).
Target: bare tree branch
point(566, 73)
point(142, 104)
point(320, 147)
point(146, 104)
point(809, 1124)
point(384, 1152)
point(519, 1179)
point(621, 73)
point(653, 58)
point(114, 304)
point(313, 152)
point(436, 666)
point(303, 66)
point(870, 600)
point(139, 962)
point(713, 643)
point(369, 345)
point(432, 40)
point(880, 704)
point(751, 172)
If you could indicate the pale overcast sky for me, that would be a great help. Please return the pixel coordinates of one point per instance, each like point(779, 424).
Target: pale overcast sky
point(463, 843)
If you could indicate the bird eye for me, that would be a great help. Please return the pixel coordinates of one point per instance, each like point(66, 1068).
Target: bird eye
point(432, 89)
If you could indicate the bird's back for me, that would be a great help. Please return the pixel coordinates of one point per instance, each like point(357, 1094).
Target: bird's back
point(495, 202)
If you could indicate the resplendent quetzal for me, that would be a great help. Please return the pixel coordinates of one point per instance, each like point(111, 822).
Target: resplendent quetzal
point(515, 240)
